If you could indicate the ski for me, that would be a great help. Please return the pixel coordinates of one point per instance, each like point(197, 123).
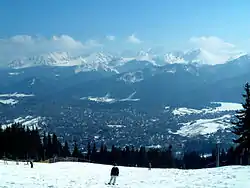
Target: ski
point(110, 184)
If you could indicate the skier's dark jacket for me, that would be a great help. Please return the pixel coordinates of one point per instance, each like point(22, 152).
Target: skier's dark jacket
point(114, 171)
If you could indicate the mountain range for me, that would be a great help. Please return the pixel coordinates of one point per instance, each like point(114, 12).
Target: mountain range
point(108, 61)
point(98, 94)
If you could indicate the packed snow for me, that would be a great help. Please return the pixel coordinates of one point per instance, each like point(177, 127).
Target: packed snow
point(79, 175)
point(204, 126)
point(224, 106)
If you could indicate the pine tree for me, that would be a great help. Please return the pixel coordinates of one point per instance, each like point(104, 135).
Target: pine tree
point(24, 143)
point(230, 156)
point(55, 145)
point(49, 151)
point(45, 146)
point(104, 156)
point(223, 155)
point(94, 153)
point(242, 123)
point(65, 150)
point(76, 152)
point(102, 148)
point(170, 156)
point(94, 150)
point(89, 151)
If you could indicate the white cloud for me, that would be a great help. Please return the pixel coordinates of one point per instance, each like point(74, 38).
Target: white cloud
point(92, 43)
point(110, 37)
point(212, 43)
point(133, 39)
point(214, 50)
point(25, 45)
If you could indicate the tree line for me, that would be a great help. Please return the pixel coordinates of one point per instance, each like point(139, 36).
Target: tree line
point(20, 142)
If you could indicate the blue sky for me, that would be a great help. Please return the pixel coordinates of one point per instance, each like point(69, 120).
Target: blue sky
point(131, 23)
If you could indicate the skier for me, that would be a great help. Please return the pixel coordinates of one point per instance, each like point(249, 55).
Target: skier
point(114, 173)
point(31, 164)
point(149, 166)
point(5, 161)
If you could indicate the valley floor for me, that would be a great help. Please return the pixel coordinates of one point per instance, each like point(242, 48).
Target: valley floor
point(85, 175)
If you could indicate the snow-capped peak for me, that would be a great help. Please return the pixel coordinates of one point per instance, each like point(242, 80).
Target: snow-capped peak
point(94, 61)
point(97, 61)
point(241, 55)
point(199, 57)
point(145, 56)
point(202, 56)
point(172, 59)
point(109, 62)
point(98, 57)
point(49, 59)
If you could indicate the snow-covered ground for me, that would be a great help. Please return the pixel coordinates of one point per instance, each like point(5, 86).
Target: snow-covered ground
point(116, 126)
point(5, 98)
point(223, 106)
point(14, 73)
point(108, 99)
point(204, 126)
point(8, 101)
point(18, 95)
point(28, 121)
point(84, 175)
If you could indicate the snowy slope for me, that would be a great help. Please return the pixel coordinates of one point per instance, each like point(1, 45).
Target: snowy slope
point(5, 98)
point(224, 106)
point(95, 61)
point(108, 99)
point(50, 59)
point(206, 126)
point(8, 101)
point(84, 175)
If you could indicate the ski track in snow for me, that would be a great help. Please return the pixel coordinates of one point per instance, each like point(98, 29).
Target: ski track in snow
point(84, 175)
